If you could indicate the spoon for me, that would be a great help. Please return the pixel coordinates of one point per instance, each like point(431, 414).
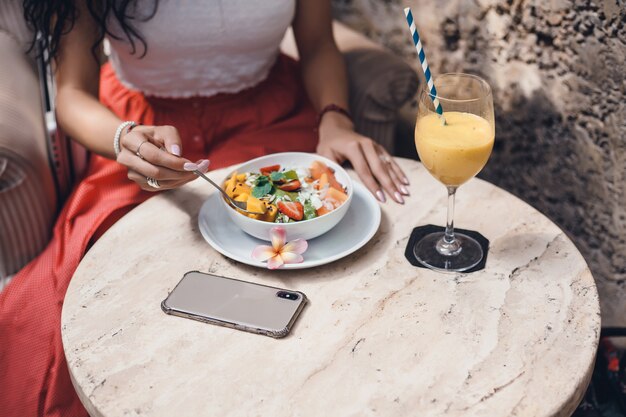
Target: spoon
point(241, 205)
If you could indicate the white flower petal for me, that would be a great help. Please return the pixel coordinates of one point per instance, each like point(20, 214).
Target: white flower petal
point(291, 258)
point(298, 246)
point(263, 253)
point(278, 236)
point(275, 262)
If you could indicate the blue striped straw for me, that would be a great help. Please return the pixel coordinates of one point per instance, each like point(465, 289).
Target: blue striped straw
point(424, 62)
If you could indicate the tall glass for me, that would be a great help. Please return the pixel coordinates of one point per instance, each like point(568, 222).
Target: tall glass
point(454, 153)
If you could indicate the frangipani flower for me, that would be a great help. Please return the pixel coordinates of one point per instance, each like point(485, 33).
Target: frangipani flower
point(280, 252)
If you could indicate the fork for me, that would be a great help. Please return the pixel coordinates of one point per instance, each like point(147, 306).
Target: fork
point(241, 205)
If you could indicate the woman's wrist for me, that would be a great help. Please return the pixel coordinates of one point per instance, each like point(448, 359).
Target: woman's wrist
point(333, 108)
point(331, 121)
point(124, 127)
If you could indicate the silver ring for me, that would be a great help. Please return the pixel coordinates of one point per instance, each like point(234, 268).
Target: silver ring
point(139, 148)
point(153, 183)
point(385, 159)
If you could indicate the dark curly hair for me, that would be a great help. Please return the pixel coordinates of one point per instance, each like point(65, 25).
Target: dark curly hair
point(51, 19)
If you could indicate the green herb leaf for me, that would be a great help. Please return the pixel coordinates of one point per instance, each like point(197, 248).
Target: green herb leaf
point(309, 210)
point(261, 179)
point(291, 175)
point(262, 189)
point(280, 194)
point(277, 176)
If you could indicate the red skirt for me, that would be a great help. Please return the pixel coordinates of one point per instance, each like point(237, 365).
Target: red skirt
point(274, 116)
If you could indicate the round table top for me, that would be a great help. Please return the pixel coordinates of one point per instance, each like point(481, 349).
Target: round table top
point(379, 337)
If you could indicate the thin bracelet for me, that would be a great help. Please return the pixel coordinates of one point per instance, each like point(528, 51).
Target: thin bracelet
point(334, 108)
point(118, 133)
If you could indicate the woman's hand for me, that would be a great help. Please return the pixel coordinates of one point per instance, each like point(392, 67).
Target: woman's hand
point(376, 168)
point(153, 153)
point(324, 75)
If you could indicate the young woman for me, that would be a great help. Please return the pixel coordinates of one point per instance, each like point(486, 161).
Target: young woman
point(186, 82)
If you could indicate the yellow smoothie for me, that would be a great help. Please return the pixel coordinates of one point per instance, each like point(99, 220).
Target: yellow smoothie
point(457, 151)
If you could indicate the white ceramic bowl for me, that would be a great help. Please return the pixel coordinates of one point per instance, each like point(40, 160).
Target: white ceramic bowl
point(305, 229)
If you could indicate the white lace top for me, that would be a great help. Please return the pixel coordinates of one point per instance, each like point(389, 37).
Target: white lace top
point(203, 47)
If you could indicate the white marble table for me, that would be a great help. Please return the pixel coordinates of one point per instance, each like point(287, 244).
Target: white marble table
point(379, 337)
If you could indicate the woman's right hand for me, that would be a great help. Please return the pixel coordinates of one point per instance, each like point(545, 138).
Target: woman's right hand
point(155, 152)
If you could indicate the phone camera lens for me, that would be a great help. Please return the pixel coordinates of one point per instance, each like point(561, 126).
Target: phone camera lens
point(287, 295)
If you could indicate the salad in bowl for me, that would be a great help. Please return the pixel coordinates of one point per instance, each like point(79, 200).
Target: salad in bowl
point(288, 194)
point(305, 193)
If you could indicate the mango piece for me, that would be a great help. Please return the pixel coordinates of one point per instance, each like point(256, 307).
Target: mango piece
point(323, 181)
point(229, 186)
point(254, 204)
point(243, 197)
point(241, 188)
point(270, 214)
point(322, 210)
point(319, 168)
point(336, 195)
point(241, 177)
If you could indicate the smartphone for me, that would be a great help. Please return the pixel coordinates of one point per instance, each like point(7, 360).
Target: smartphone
point(236, 304)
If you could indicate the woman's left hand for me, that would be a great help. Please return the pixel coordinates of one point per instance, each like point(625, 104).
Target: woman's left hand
point(376, 168)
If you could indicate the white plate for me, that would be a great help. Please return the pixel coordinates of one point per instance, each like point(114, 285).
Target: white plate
point(356, 229)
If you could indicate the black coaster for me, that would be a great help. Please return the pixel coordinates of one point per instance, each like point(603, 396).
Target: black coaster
point(420, 232)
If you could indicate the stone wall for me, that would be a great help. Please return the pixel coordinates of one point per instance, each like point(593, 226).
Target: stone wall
point(558, 69)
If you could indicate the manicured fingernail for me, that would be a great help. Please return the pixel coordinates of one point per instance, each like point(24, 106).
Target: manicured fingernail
point(203, 165)
point(404, 190)
point(380, 196)
point(398, 197)
point(176, 150)
point(405, 180)
point(190, 166)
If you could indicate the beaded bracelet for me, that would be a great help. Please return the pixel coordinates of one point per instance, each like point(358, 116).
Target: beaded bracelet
point(118, 133)
point(334, 108)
